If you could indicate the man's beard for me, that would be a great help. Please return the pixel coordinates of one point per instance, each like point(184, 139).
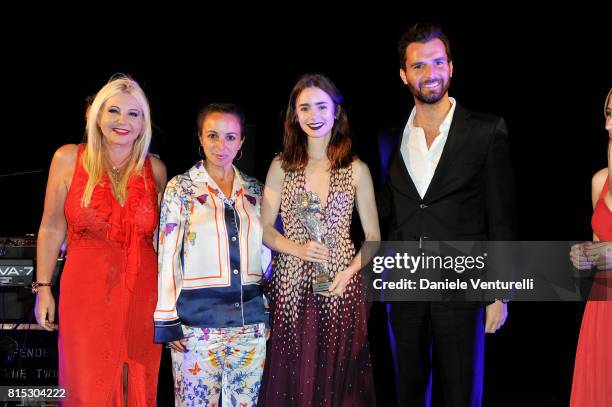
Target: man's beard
point(430, 98)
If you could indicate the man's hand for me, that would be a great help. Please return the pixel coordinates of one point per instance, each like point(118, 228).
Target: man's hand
point(496, 315)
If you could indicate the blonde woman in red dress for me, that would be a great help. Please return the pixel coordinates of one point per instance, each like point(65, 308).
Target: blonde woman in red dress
point(592, 385)
point(104, 194)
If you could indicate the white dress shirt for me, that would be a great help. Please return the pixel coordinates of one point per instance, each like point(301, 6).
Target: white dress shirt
point(420, 161)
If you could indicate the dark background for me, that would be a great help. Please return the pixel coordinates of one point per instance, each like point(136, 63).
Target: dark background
point(547, 76)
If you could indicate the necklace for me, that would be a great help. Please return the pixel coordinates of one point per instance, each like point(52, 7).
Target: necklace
point(116, 172)
point(115, 169)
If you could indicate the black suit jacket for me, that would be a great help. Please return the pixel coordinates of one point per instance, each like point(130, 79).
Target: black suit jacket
point(471, 195)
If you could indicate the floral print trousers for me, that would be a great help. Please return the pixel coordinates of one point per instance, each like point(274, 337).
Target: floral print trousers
point(220, 366)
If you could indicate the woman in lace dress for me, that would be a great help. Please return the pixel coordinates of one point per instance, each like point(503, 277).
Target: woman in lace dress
point(104, 195)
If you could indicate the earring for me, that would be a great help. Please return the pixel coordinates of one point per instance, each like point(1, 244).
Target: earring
point(201, 154)
point(238, 159)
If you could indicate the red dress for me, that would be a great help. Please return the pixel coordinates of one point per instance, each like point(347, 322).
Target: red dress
point(108, 294)
point(592, 385)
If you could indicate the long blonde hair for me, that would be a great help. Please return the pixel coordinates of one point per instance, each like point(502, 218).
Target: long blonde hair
point(606, 103)
point(93, 156)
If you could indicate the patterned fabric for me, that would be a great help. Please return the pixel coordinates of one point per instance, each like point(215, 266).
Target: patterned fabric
point(226, 362)
point(319, 353)
point(210, 250)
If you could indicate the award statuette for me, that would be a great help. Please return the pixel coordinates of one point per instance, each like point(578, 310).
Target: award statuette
point(308, 209)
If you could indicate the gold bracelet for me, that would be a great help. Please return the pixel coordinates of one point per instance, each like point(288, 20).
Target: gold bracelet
point(35, 286)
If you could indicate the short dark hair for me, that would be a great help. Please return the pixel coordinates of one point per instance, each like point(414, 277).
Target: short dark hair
point(228, 108)
point(422, 32)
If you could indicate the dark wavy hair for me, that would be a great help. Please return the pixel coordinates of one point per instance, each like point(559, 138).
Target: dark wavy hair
point(422, 33)
point(295, 142)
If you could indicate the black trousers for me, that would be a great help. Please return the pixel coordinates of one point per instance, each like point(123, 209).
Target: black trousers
point(448, 336)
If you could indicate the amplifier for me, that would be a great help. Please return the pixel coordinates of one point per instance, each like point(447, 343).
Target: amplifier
point(29, 357)
point(17, 256)
point(18, 247)
point(16, 272)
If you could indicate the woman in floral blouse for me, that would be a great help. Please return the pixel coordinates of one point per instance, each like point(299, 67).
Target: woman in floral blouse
point(210, 308)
